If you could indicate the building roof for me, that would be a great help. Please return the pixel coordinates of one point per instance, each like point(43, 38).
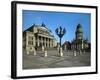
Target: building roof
point(66, 43)
point(42, 26)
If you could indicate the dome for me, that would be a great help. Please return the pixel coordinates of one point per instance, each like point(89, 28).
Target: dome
point(43, 26)
point(79, 28)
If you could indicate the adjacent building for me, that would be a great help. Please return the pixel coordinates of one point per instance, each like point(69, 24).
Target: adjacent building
point(66, 45)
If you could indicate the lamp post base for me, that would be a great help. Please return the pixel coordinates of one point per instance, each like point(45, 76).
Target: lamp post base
point(60, 52)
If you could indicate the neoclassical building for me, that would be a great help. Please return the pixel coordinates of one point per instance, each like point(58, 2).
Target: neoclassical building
point(79, 43)
point(38, 36)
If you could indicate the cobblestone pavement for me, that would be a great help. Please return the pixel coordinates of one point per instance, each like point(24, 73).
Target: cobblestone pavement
point(53, 60)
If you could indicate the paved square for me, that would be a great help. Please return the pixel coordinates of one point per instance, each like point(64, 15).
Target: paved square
point(53, 60)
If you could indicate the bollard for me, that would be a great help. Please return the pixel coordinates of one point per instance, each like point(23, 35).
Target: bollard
point(45, 53)
point(42, 48)
point(34, 52)
point(80, 52)
point(61, 54)
point(74, 53)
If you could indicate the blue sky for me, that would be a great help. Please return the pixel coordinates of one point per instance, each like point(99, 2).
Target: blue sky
point(53, 20)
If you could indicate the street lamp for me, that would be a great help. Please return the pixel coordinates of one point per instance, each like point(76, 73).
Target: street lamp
point(60, 32)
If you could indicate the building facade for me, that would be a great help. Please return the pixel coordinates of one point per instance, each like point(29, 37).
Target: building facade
point(36, 37)
point(79, 43)
point(66, 45)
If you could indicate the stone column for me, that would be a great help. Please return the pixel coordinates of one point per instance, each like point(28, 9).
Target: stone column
point(38, 41)
point(27, 52)
point(26, 40)
point(51, 43)
point(34, 41)
point(47, 42)
point(44, 42)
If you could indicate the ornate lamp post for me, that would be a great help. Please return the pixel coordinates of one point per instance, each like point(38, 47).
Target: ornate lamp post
point(60, 32)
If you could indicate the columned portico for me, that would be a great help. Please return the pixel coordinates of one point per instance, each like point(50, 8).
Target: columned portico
point(39, 36)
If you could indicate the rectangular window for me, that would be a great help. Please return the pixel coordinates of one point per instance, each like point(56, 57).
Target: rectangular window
point(30, 42)
point(30, 38)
